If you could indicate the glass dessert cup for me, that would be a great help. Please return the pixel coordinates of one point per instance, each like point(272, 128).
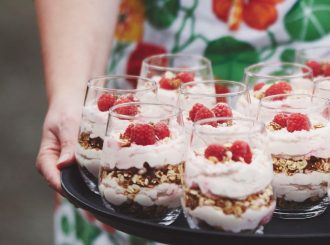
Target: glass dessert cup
point(322, 88)
point(102, 93)
point(213, 98)
point(172, 70)
point(142, 159)
point(267, 79)
point(298, 129)
point(227, 176)
point(317, 58)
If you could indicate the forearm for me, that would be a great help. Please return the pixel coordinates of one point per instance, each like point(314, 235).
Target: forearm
point(75, 42)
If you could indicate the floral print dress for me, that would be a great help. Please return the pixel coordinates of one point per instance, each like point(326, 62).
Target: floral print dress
point(231, 33)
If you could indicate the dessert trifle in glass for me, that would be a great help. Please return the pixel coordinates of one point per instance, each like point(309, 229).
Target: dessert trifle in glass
point(298, 138)
point(317, 58)
point(212, 98)
point(322, 88)
point(142, 161)
point(267, 79)
point(103, 93)
point(172, 70)
point(227, 177)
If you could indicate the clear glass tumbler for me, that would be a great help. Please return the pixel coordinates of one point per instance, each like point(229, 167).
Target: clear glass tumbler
point(102, 93)
point(142, 160)
point(298, 137)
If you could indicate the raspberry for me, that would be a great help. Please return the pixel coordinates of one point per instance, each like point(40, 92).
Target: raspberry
point(169, 84)
point(185, 77)
point(298, 122)
point(315, 66)
point(281, 119)
point(258, 86)
point(161, 130)
point(143, 134)
point(222, 110)
point(204, 113)
point(241, 151)
point(326, 70)
point(193, 111)
point(127, 133)
point(130, 110)
point(214, 150)
point(221, 89)
point(105, 102)
point(281, 87)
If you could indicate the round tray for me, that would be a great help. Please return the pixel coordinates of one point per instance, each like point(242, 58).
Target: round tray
point(76, 191)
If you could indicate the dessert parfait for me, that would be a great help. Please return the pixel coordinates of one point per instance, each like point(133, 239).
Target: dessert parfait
point(213, 98)
point(298, 129)
point(142, 162)
point(227, 177)
point(267, 79)
point(101, 95)
point(172, 70)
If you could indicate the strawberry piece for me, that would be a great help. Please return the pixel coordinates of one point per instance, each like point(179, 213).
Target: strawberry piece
point(281, 119)
point(241, 151)
point(281, 87)
point(185, 77)
point(204, 113)
point(215, 150)
point(130, 110)
point(193, 111)
point(106, 101)
point(258, 86)
point(326, 70)
point(169, 83)
point(315, 66)
point(298, 122)
point(161, 130)
point(222, 110)
point(221, 89)
point(143, 134)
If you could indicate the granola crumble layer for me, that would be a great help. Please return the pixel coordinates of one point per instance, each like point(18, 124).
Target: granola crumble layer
point(194, 198)
point(87, 142)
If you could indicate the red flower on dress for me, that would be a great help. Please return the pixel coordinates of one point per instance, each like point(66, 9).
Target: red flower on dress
point(257, 14)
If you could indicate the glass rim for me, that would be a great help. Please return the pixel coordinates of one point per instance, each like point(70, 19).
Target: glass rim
point(253, 130)
point(124, 76)
point(321, 80)
point(174, 111)
point(214, 81)
point(270, 98)
point(207, 64)
point(307, 72)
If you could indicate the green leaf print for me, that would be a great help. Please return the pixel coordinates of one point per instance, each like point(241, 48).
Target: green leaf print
point(162, 13)
point(288, 55)
point(308, 20)
point(65, 225)
point(84, 230)
point(229, 57)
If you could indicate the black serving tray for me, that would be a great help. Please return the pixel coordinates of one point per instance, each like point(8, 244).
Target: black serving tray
point(309, 230)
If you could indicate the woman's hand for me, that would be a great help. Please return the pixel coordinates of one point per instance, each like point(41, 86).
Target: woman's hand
point(59, 136)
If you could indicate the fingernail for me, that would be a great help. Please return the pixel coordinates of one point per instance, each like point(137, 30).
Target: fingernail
point(63, 158)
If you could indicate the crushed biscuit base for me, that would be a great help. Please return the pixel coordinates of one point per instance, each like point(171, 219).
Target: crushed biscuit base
point(90, 143)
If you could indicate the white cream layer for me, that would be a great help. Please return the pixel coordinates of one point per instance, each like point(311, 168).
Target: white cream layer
point(88, 158)
point(165, 194)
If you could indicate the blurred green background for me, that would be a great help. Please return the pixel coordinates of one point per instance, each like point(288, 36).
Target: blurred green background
point(26, 203)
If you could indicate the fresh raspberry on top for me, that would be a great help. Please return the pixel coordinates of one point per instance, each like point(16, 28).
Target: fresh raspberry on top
point(281, 87)
point(221, 89)
point(222, 110)
point(215, 150)
point(127, 133)
point(326, 70)
point(298, 122)
point(281, 119)
point(143, 134)
point(193, 111)
point(204, 113)
point(130, 110)
point(161, 130)
point(315, 66)
point(258, 86)
point(106, 101)
point(241, 151)
point(169, 83)
point(185, 77)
